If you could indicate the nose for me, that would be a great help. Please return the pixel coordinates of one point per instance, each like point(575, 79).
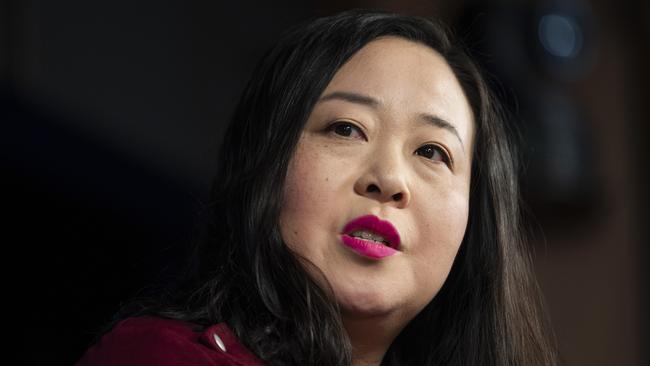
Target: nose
point(384, 180)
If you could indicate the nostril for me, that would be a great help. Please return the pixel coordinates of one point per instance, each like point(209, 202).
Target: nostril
point(372, 188)
point(397, 197)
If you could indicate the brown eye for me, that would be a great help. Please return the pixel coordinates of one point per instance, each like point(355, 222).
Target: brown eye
point(434, 152)
point(346, 129)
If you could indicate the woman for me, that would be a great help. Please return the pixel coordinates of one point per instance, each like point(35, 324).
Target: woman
point(365, 212)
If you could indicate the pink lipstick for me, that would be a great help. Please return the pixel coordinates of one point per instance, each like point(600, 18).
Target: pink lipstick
point(371, 237)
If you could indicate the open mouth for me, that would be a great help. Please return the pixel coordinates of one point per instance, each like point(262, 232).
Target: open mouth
point(371, 237)
point(372, 228)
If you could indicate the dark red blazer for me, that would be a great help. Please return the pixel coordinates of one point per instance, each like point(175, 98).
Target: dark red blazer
point(147, 341)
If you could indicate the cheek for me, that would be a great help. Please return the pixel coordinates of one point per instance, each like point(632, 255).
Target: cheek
point(441, 231)
point(441, 212)
point(446, 221)
point(308, 196)
point(304, 188)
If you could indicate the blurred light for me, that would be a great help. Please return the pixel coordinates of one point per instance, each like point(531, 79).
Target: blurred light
point(560, 35)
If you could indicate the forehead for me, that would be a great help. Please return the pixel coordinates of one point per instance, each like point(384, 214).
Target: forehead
point(391, 60)
point(406, 77)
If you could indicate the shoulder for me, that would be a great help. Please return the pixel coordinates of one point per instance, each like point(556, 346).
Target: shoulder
point(165, 342)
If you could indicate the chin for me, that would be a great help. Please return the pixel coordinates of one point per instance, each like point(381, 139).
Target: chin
point(368, 301)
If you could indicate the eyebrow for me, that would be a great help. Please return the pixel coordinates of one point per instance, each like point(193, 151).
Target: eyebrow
point(441, 123)
point(374, 103)
point(352, 98)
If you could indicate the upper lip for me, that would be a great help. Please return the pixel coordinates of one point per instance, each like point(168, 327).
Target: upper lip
point(376, 225)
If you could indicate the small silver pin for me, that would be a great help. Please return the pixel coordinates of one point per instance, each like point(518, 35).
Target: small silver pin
point(219, 342)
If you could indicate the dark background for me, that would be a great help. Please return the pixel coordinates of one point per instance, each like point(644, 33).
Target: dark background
point(111, 113)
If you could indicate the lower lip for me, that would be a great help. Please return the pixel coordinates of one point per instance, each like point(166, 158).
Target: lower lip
point(367, 248)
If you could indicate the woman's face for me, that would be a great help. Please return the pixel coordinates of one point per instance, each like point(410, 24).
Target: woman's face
point(391, 137)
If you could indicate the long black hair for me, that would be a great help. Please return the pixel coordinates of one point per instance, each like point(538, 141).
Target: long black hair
point(488, 312)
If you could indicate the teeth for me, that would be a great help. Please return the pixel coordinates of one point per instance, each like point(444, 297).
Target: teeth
point(366, 235)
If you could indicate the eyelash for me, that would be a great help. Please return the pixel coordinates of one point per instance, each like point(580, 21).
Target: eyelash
point(333, 126)
point(444, 156)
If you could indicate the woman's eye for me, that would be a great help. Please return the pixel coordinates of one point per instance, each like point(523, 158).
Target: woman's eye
point(434, 152)
point(346, 129)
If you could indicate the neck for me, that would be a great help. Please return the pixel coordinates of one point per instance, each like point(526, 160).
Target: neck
point(370, 338)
